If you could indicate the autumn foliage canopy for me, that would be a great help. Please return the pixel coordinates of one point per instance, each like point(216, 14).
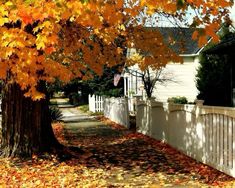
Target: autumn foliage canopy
point(48, 39)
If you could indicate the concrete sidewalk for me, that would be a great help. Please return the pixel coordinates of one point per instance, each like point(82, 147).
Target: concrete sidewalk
point(70, 112)
point(82, 125)
point(129, 159)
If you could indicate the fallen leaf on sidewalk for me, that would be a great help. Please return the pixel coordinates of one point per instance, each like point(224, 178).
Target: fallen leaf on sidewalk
point(111, 157)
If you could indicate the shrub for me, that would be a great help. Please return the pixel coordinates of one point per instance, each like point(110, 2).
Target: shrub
point(215, 75)
point(178, 100)
point(117, 92)
point(56, 114)
point(77, 99)
point(213, 80)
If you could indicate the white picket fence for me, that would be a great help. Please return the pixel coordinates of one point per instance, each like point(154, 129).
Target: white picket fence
point(204, 133)
point(96, 103)
point(116, 109)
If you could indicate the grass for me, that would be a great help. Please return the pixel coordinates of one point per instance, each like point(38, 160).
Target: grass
point(96, 113)
point(84, 108)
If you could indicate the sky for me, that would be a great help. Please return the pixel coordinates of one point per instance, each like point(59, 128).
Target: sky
point(168, 22)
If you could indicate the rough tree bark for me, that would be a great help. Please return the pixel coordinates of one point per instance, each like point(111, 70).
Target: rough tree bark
point(26, 124)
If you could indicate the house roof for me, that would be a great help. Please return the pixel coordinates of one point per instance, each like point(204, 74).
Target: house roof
point(179, 39)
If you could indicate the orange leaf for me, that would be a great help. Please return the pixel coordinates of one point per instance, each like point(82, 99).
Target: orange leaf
point(195, 35)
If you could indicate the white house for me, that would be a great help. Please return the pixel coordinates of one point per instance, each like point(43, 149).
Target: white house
point(182, 76)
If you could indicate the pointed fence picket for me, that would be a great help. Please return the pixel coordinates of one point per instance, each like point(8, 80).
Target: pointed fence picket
point(96, 103)
point(116, 109)
point(205, 133)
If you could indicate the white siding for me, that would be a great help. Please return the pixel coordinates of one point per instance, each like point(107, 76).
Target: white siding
point(183, 81)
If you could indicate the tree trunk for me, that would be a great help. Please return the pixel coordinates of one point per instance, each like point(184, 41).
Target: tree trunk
point(26, 124)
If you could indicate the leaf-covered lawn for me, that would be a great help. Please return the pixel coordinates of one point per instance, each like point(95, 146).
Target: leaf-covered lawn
point(111, 157)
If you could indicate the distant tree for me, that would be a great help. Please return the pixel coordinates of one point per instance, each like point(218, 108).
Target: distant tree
point(150, 78)
point(54, 87)
point(78, 90)
point(104, 85)
point(151, 74)
point(213, 80)
point(214, 76)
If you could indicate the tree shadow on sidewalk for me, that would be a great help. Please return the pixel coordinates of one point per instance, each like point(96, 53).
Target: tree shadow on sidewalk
point(130, 156)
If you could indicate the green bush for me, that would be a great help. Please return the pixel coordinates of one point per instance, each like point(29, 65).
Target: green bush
point(117, 92)
point(77, 99)
point(73, 98)
point(178, 100)
point(56, 114)
point(215, 77)
point(214, 80)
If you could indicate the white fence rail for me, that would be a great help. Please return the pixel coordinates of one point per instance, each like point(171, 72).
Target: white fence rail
point(116, 109)
point(132, 101)
point(96, 103)
point(202, 132)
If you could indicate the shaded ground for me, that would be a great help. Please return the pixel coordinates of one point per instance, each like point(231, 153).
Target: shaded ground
point(132, 159)
point(112, 157)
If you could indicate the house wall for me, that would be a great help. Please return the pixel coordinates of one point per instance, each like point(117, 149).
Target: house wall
point(181, 82)
point(133, 83)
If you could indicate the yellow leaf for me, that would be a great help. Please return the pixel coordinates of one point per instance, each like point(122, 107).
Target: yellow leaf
point(3, 21)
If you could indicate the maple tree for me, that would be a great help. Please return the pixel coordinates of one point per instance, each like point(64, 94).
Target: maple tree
point(64, 39)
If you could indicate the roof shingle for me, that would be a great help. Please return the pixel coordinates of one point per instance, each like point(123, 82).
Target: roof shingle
point(182, 39)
